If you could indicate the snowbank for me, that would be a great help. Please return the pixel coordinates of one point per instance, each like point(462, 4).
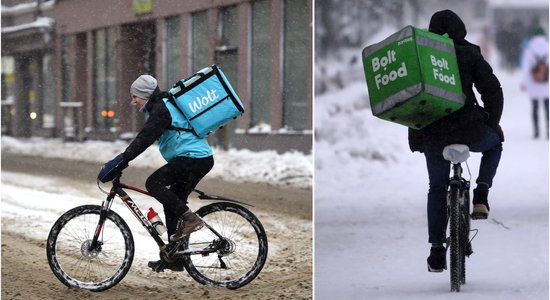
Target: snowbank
point(289, 169)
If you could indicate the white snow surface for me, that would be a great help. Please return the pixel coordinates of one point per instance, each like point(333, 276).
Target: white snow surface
point(43, 199)
point(371, 239)
point(293, 169)
point(57, 195)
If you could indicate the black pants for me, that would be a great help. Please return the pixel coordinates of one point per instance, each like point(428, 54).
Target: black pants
point(535, 114)
point(173, 182)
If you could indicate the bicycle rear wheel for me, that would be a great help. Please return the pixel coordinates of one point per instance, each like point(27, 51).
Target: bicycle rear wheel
point(243, 252)
point(455, 233)
point(72, 260)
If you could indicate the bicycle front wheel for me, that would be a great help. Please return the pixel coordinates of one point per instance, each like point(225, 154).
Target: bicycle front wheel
point(71, 257)
point(243, 250)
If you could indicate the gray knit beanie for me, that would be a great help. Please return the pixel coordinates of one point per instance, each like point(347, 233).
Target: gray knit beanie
point(144, 86)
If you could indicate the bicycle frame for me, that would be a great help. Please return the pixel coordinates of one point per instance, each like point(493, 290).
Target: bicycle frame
point(457, 179)
point(118, 189)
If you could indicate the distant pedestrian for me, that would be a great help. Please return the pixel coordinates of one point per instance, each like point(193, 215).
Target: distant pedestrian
point(534, 76)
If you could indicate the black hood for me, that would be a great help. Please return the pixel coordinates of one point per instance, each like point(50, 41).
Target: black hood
point(446, 21)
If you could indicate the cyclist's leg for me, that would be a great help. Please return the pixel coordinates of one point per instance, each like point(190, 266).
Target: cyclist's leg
point(438, 172)
point(172, 183)
point(546, 115)
point(189, 178)
point(491, 149)
point(535, 116)
point(158, 185)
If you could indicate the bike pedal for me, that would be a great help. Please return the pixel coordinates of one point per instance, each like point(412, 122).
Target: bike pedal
point(479, 216)
point(156, 266)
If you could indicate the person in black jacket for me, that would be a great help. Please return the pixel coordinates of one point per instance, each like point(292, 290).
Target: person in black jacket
point(473, 125)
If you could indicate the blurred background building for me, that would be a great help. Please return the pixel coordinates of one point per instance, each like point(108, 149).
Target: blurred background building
point(67, 65)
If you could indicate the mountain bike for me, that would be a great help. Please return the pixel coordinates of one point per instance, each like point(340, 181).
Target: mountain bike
point(458, 215)
point(91, 247)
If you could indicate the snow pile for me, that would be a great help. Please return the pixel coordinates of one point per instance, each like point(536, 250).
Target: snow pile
point(289, 169)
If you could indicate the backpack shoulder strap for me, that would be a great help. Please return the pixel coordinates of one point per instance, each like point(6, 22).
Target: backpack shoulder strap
point(173, 102)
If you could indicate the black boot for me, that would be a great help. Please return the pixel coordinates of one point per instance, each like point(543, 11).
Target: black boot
point(481, 204)
point(437, 261)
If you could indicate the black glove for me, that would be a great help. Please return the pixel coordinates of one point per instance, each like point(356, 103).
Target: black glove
point(112, 169)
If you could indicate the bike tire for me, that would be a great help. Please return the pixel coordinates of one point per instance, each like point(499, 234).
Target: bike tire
point(455, 238)
point(465, 234)
point(74, 264)
point(241, 264)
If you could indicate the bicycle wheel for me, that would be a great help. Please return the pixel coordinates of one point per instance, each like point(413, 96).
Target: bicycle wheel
point(75, 264)
point(455, 248)
point(244, 250)
point(466, 249)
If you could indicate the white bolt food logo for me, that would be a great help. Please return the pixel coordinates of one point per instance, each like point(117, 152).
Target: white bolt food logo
point(442, 64)
point(384, 62)
point(204, 101)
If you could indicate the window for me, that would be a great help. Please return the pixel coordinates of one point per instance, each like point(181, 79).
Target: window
point(261, 62)
point(226, 50)
point(227, 59)
point(297, 30)
point(199, 41)
point(48, 92)
point(104, 79)
point(67, 62)
point(173, 51)
point(8, 93)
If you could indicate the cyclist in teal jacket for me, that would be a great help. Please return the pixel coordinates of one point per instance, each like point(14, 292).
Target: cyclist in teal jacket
point(189, 158)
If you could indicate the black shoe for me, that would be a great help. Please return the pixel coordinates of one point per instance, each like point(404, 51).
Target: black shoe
point(159, 266)
point(481, 204)
point(437, 261)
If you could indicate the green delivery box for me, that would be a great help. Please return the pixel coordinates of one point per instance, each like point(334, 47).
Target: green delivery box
point(412, 77)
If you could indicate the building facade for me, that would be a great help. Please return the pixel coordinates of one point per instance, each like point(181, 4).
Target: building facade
point(75, 81)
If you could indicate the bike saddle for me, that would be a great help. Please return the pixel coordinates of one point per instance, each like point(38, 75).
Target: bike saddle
point(456, 153)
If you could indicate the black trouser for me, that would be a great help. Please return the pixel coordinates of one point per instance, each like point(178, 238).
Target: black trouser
point(535, 114)
point(173, 182)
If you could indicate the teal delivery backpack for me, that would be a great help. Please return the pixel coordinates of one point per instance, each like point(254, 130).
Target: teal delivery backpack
point(207, 100)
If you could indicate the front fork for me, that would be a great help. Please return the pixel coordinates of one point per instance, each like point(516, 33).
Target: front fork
point(105, 207)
